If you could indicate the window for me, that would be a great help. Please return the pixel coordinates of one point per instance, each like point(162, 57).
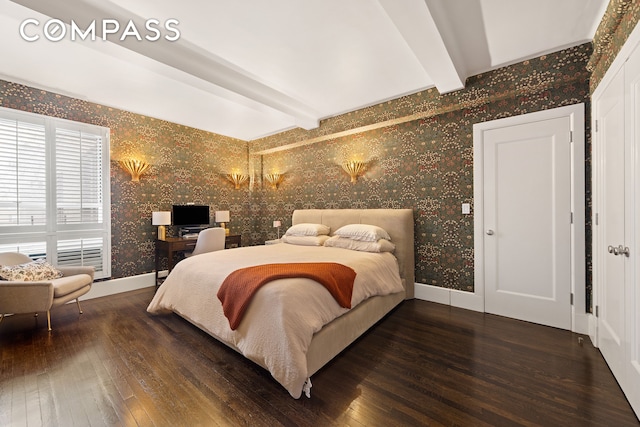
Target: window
point(54, 190)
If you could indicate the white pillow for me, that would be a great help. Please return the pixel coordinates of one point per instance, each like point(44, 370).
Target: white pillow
point(364, 232)
point(382, 245)
point(306, 229)
point(305, 240)
point(33, 271)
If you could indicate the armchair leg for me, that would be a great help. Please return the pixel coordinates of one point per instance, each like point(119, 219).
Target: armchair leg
point(49, 320)
point(79, 309)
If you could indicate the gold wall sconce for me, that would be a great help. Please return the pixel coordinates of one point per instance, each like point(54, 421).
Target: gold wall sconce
point(355, 169)
point(135, 167)
point(237, 179)
point(274, 179)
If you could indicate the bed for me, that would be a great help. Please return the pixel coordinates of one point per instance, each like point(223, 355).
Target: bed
point(267, 334)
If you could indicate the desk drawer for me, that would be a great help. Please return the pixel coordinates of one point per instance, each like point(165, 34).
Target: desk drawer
point(187, 245)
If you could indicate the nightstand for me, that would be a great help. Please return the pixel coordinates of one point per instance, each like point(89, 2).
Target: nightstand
point(233, 241)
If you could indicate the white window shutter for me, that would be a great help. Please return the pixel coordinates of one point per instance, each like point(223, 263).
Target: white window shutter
point(78, 177)
point(54, 198)
point(22, 174)
point(88, 251)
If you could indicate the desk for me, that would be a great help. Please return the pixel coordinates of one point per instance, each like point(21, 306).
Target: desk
point(172, 245)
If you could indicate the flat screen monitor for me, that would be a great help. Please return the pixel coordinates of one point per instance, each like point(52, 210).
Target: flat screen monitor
point(190, 215)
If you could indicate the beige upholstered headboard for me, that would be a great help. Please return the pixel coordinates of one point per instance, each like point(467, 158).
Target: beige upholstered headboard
point(397, 222)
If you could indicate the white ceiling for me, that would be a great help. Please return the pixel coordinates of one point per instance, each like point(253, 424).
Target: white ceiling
point(251, 68)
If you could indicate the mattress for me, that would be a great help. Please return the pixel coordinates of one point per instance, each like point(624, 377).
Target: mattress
point(284, 315)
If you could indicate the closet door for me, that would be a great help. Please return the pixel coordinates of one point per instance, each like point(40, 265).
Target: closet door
point(632, 286)
point(617, 231)
point(611, 145)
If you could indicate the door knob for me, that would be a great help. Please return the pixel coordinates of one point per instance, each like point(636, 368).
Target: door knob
point(489, 232)
point(620, 250)
point(623, 250)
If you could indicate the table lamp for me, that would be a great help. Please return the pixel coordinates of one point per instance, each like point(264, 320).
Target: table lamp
point(161, 219)
point(222, 217)
point(277, 224)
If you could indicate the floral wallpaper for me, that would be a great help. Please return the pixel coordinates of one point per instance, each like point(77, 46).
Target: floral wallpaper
point(187, 166)
point(418, 149)
point(420, 158)
point(423, 158)
point(616, 25)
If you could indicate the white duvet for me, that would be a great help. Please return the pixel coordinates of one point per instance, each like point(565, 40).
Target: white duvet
point(284, 314)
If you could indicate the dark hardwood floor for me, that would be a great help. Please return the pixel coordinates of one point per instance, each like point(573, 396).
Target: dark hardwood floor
point(425, 364)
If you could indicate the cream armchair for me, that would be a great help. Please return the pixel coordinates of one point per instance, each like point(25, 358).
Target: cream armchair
point(35, 296)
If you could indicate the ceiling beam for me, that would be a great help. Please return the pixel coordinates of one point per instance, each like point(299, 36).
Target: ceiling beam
point(181, 55)
point(416, 24)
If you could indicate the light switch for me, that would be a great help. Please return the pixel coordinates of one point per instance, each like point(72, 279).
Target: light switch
point(466, 208)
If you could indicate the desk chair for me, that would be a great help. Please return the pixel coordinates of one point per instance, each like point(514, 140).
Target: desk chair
point(209, 240)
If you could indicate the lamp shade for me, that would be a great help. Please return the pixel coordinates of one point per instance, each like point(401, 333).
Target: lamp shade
point(222, 216)
point(161, 218)
point(277, 224)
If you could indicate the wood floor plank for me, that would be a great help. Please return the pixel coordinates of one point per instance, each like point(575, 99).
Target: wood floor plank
point(18, 408)
point(50, 413)
point(424, 364)
point(139, 416)
point(6, 387)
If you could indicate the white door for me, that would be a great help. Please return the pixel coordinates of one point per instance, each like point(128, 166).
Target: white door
point(632, 280)
point(617, 140)
point(527, 222)
point(611, 223)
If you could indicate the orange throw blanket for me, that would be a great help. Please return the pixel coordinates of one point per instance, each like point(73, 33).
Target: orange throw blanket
point(238, 288)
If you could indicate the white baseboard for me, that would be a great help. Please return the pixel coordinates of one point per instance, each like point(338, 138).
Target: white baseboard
point(452, 297)
point(432, 293)
point(584, 322)
point(593, 329)
point(468, 300)
point(116, 286)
